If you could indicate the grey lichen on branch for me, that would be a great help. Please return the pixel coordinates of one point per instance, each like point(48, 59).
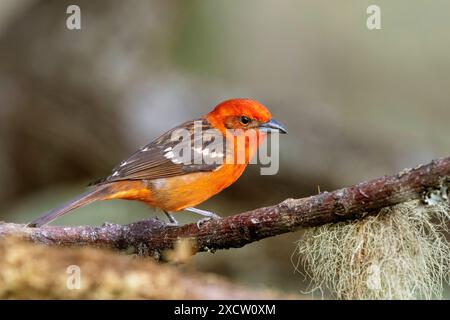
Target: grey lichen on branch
point(151, 237)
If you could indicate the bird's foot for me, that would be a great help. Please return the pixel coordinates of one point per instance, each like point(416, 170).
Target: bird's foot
point(207, 214)
point(172, 224)
point(204, 213)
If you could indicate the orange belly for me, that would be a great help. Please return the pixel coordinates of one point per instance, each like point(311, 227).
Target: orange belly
point(177, 193)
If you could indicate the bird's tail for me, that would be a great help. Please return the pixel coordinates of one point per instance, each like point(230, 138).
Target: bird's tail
point(97, 193)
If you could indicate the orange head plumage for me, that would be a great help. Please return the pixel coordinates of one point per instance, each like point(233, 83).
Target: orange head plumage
point(243, 114)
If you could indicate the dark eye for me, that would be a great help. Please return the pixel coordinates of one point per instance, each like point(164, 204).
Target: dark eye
point(244, 120)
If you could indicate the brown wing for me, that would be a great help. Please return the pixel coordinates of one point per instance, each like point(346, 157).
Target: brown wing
point(158, 159)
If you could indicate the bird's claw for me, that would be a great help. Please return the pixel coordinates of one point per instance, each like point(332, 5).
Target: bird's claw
point(204, 220)
point(172, 224)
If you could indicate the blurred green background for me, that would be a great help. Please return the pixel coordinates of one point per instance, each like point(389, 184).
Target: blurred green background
point(358, 103)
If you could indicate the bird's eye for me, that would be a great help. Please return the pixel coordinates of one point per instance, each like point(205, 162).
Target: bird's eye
point(244, 120)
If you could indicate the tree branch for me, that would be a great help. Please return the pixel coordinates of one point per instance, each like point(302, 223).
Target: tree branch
point(151, 237)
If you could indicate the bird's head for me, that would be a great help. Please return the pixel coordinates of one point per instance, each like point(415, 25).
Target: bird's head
point(243, 114)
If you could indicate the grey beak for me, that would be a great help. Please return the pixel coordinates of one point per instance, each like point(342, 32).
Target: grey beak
point(272, 125)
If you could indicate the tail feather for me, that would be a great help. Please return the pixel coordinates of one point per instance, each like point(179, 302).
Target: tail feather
point(82, 200)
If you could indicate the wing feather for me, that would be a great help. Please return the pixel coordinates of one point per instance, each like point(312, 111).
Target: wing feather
point(154, 160)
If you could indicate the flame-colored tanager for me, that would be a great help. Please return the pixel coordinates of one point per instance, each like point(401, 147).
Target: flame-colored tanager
point(155, 176)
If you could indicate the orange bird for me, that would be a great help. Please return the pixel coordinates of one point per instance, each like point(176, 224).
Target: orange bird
point(157, 176)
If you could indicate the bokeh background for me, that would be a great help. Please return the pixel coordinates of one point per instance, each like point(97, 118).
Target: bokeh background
point(358, 103)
